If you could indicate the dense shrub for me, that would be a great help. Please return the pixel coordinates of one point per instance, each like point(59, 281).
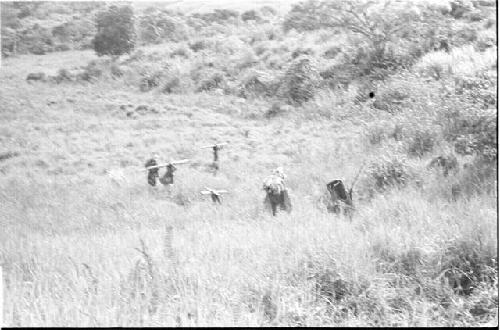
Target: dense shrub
point(220, 16)
point(160, 27)
point(303, 17)
point(480, 89)
point(485, 40)
point(63, 75)
point(405, 31)
point(422, 141)
point(390, 99)
point(36, 40)
point(460, 62)
point(181, 52)
point(258, 83)
point(171, 85)
point(340, 75)
point(459, 8)
point(198, 45)
point(300, 81)
point(115, 31)
point(61, 48)
point(9, 41)
point(380, 131)
point(97, 69)
point(76, 32)
point(277, 109)
point(465, 264)
point(267, 11)
point(472, 131)
point(302, 51)
point(213, 81)
point(387, 173)
point(151, 80)
point(332, 52)
point(250, 15)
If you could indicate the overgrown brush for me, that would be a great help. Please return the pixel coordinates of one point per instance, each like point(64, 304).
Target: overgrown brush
point(300, 81)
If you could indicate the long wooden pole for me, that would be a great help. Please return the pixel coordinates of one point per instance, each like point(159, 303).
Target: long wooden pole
point(177, 162)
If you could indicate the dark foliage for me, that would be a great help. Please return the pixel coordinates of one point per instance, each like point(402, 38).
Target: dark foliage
point(115, 31)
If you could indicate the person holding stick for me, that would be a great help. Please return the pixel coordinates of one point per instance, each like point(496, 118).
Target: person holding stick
point(215, 149)
point(168, 177)
point(153, 173)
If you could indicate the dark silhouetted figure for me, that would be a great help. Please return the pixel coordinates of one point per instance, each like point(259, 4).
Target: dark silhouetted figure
point(340, 198)
point(153, 172)
point(215, 198)
point(168, 177)
point(215, 164)
point(276, 192)
point(214, 194)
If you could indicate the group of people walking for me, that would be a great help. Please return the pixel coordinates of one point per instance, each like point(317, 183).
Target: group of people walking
point(277, 196)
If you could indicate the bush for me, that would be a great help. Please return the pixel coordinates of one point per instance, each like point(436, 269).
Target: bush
point(151, 80)
point(277, 109)
point(267, 11)
point(302, 51)
point(250, 15)
point(340, 75)
point(36, 40)
point(459, 8)
point(387, 173)
point(64, 75)
point(460, 62)
point(463, 36)
point(115, 70)
point(257, 83)
point(93, 70)
point(181, 51)
point(473, 132)
point(160, 27)
point(303, 17)
point(198, 45)
point(465, 264)
point(332, 52)
point(172, 85)
point(215, 80)
point(300, 81)
point(377, 132)
point(391, 98)
point(479, 89)
point(76, 32)
point(61, 48)
point(478, 177)
point(115, 31)
point(395, 25)
point(422, 141)
point(475, 16)
point(486, 39)
point(220, 16)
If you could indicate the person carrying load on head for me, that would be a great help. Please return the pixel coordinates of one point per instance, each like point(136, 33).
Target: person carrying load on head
point(168, 177)
point(153, 173)
point(276, 192)
point(215, 164)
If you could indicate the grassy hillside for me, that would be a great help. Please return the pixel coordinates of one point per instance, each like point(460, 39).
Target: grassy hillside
point(86, 242)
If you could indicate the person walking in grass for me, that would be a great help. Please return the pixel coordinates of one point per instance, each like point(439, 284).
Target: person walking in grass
point(168, 177)
point(153, 173)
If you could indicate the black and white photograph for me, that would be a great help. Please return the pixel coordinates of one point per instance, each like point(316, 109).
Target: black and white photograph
point(249, 163)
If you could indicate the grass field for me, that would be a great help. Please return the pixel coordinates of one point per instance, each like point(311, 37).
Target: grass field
point(86, 242)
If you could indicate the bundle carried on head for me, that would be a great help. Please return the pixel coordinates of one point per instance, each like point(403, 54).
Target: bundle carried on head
point(275, 181)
